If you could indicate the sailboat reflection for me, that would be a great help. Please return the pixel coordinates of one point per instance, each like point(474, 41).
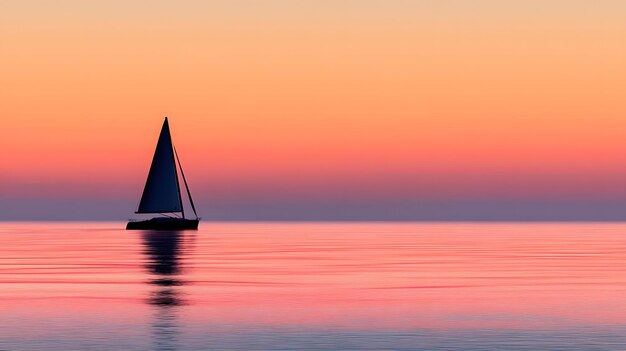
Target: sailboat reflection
point(163, 251)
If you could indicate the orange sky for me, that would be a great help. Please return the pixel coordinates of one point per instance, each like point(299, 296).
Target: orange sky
point(367, 98)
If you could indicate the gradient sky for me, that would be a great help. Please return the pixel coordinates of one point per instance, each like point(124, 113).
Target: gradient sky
point(320, 109)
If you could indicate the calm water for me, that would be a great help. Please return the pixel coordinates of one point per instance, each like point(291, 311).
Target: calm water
point(313, 286)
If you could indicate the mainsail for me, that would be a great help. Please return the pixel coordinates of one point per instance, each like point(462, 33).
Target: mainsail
point(161, 193)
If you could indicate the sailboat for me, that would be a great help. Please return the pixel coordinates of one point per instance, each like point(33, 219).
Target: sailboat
point(162, 194)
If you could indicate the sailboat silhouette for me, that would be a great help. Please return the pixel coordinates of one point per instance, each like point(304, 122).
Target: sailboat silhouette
point(162, 193)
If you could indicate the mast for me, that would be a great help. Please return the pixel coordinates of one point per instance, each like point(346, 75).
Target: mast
point(185, 181)
point(180, 198)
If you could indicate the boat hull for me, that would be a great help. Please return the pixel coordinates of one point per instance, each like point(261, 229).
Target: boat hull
point(164, 224)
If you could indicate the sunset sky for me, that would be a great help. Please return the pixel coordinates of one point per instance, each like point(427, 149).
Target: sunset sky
point(317, 110)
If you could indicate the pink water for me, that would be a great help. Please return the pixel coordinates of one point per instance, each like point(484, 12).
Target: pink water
point(314, 286)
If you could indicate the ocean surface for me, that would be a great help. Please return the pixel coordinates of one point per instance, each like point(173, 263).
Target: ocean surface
point(314, 286)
